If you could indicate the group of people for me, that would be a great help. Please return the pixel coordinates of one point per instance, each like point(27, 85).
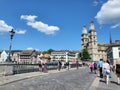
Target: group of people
point(105, 68)
point(62, 65)
point(43, 67)
point(93, 67)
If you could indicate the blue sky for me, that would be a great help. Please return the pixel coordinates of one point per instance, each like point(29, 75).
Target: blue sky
point(56, 24)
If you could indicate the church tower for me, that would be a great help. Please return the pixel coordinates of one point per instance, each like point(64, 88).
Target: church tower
point(84, 37)
point(93, 45)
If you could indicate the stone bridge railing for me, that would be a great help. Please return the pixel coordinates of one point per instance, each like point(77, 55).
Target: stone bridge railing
point(11, 69)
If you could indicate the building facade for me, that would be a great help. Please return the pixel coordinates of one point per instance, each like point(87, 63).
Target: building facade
point(28, 57)
point(3, 56)
point(113, 52)
point(96, 49)
point(64, 55)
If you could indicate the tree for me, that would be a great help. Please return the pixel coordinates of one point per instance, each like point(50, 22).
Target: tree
point(84, 55)
point(48, 51)
point(80, 55)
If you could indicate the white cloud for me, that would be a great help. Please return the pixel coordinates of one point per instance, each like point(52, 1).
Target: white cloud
point(28, 17)
point(30, 48)
point(20, 31)
point(109, 13)
point(40, 26)
point(4, 27)
point(97, 2)
point(115, 26)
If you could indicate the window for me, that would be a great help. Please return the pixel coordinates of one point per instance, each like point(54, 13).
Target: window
point(118, 48)
point(119, 54)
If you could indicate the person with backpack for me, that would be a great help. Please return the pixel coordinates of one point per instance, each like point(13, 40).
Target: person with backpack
point(100, 65)
point(117, 69)
point(106, 71)
point(95, 67)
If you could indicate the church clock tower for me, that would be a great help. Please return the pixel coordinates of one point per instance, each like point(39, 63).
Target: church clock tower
point(84, 37)
point(93, 45)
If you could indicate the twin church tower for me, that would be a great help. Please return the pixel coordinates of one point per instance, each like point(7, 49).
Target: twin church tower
point(89, 41)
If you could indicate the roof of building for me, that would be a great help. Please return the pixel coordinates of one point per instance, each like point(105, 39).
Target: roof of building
point(66, 51)
point(27, 52)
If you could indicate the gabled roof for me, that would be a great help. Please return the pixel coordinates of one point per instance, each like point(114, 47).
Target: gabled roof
point(27, 52)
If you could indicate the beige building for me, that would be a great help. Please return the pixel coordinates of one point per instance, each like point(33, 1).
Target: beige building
point(96, 49)
point(28, 57)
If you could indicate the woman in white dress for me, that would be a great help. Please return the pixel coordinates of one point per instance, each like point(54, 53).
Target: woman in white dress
point(106, 71)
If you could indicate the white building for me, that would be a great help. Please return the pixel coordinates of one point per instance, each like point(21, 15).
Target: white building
point(3, 56)
point(64, 55)
point(113, 52)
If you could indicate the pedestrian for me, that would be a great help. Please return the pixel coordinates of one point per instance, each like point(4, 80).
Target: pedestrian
point(91, 66)
point(45, 70)
point(63, 64)
point(100, 65)
point(95, 67)
point(40, 67)
point(106, 71)
point(117, 69)
point(77, 64)
point(110, 75)
point(59, 65)
point(67, 64)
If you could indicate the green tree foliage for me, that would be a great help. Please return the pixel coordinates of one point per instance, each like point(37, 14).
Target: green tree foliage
point(84, 55)
point(80, 55)
point(48, 51)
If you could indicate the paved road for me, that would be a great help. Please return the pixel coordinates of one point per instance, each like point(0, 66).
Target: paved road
point(69, 80)
point(99, 84)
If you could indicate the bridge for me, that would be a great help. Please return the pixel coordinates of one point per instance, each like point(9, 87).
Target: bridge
point(72, 79)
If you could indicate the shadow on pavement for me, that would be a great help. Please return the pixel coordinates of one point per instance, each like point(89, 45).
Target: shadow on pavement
point(102, 81)
point(113, 82)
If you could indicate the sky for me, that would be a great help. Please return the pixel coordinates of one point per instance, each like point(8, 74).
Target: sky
point(56, 24)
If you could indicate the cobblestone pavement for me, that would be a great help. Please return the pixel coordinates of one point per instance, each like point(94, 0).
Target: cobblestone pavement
point(99, 84)
point(79, 79)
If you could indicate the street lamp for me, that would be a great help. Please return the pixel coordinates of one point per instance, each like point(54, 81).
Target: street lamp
point(12, 32)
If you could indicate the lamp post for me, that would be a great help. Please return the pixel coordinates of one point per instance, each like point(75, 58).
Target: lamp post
point(12, 32)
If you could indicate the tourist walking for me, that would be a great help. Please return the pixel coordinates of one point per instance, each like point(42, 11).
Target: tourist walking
point(95, 67)
point(110, 75)
point(45, 69)
point(59, 65)
point(91, 66)
point(100, 65)
point(63, 64)
point(117, 69)
point(67, 65)
point(77, 64)
point(106, 71)
point(40, 67)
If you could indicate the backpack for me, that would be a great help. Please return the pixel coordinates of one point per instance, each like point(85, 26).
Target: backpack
point(117, 68)
point(95, 65)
